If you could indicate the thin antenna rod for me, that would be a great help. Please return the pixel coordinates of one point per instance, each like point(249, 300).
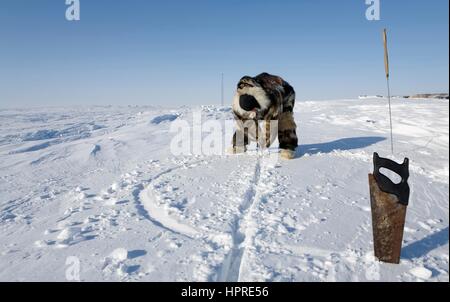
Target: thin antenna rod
point(386, 66)
point(222, 93)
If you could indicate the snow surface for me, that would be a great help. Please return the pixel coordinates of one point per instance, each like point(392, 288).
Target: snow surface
point(100, 184)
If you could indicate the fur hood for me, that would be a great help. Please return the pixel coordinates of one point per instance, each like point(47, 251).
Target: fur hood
point(263, 97)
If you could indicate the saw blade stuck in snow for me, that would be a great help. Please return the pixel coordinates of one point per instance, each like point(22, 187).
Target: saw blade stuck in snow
point(389, 203)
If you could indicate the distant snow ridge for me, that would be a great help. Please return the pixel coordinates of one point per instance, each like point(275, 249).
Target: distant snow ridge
point(82, 130)
point(164, 118)
point(52, 137)
point(366, 97)
point(40, 135)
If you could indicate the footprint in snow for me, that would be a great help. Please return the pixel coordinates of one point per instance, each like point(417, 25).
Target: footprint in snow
point(116, 262)
point(73, 235)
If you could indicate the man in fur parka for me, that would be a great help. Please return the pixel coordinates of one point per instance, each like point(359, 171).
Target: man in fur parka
point(265, 98)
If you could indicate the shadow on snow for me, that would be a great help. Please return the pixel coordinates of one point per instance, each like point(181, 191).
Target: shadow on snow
point(339, 145)
point(424, 246)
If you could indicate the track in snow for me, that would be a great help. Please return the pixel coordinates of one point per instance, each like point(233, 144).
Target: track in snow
point(231, 268)
point(147, 202)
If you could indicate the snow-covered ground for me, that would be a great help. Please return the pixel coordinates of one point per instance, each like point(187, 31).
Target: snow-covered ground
point(99, 187)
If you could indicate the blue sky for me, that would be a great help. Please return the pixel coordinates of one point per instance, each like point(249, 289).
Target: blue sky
point(172, 52)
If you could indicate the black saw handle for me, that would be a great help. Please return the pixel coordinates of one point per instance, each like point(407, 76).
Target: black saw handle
point(401, 190)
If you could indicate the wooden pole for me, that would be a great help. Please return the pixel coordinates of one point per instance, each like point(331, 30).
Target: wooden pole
point(386, 67)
